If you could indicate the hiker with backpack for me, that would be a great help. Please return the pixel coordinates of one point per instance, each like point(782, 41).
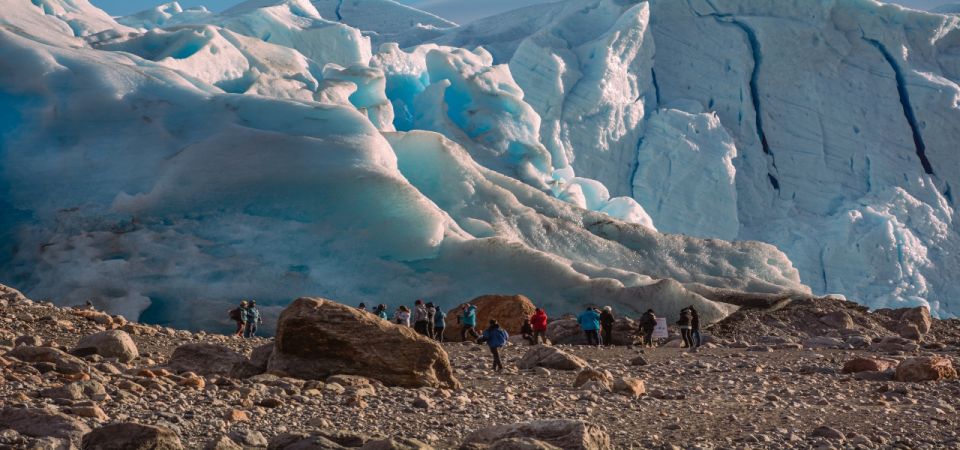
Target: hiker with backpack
point(648, 322)
point(526, 330)
point(439, 324)
point(495, 337)
point(589, 321)
point(252, 317)
point(538, 321)
point(238, 315)
point(468, 322)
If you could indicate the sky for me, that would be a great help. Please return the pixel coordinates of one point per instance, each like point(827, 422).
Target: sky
point(460, 11)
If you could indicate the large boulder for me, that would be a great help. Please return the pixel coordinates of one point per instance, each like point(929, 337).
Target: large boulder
point(317, 338)
point(109, 344)
point(909, 323)
point(932, 368)
point(206, 360)
point(566, 331)
point(509, 310)
point(550, 358)
point(860, 364)
point(37, 422)
point(566, 434)
point(256, 365)
point(63, 362)
point(132, 436)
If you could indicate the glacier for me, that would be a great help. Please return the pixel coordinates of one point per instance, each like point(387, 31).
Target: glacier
point(632, 153)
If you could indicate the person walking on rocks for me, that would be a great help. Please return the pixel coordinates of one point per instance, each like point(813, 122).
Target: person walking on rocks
point(495, 337)
point(538, 321)
point(607, 320)
point(685, 323)
point(238, 315)
point(420, 320)
point(362, 307)
point(439, 324)
point(695, 338)
point(381, 311)
point(402, 316)
point(253, 320)
point(589, 321)
point(468, 322)
point(431, 316)
point(648, 322)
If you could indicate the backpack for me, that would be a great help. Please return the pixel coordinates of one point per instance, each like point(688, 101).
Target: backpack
point(235, 314)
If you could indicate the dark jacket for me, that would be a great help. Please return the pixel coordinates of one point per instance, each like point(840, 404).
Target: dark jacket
point(685, 318)
point(526, 328)
point(695, 320)
point(607, 319)
point(648, 322)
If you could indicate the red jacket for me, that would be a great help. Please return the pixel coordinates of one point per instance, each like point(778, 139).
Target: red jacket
point(539, 321)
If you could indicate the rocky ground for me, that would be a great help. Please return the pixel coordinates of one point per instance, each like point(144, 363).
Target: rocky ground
point(776, 388)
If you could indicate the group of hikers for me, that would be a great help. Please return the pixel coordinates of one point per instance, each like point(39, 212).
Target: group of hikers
point(430, 320)
point(247, 317)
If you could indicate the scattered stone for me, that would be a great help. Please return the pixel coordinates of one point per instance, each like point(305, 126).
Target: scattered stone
point(857, 365)
point(827, 433)
point(631, 387)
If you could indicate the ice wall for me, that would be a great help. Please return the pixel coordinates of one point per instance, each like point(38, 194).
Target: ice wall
point(154, 192)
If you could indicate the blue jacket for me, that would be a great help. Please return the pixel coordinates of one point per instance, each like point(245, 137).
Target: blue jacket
point(252, 315)
point(469, 316)
point(382, 314)
point(495, 337)
point(589, 320)
point(440, 319)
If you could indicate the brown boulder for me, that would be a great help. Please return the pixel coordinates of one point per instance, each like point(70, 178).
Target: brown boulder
point(63, 362)
point(36, 422)
point(857, 365)
point(317, 338)
point(932, 368)
point(566, 331)
point(566, 434)
point(631, 387)
point(509, 310)
point(550, 358)
point(132, 436)
point(109, 344)
point(588, 374)
point(206, 359)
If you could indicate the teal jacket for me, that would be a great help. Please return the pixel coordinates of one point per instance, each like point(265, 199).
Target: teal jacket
point(589, 320)
point(469, 316)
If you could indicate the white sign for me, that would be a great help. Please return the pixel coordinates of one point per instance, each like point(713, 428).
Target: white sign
point(660, 331)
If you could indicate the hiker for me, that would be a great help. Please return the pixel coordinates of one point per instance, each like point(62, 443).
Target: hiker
point(468, 321)
point(686, 320)
point(695, 338)
point(381, 311)
point(431, 316)
point(420, 322)
point(252, 315)
point(648, 322)
point(402, 316)
point(526, 330)
point(606, 324)
point(539, 323)
point(362, 307)
point(589, 321)
point(439, 324)
point(238, 315)
point(495, 337)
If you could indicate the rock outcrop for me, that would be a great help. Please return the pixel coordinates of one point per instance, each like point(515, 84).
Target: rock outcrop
point(567, 331)
point(509, 310)
point(317, 338)
point(39, 422)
